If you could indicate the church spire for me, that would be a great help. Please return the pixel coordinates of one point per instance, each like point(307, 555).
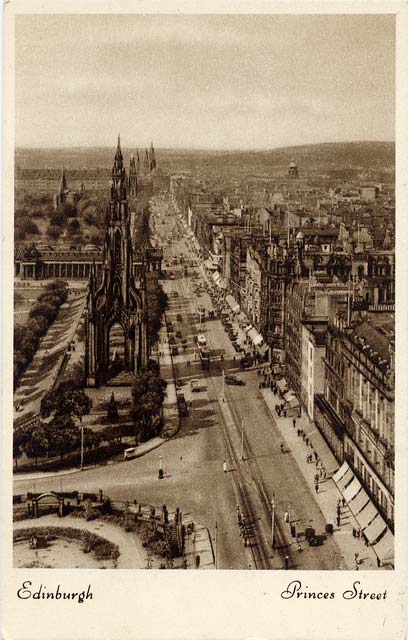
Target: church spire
point(63, 183)
point(118, 187)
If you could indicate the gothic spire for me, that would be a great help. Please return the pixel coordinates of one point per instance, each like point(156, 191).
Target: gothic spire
point(118, 188)
point(63, 183)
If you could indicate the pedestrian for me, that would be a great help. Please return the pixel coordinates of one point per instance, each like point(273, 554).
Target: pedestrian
point(284, 413)
point(282, 447)
point(286, 562)
point(316, 456)
point(224, 466)
point(344, 502)
point(307, 442)
point(354, 532)
point(338, 510)
point(317, 487)
point(294, 423)
point(338, 503)
point(316, 477)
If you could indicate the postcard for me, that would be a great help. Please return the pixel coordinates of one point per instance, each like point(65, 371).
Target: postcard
point(204, 320)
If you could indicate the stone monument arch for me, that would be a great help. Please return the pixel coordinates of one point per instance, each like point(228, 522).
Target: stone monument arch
point(115, 299)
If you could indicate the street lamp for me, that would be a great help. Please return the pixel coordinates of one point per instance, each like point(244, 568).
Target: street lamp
point(223, 386)
point(273, 521)
point(242, 441)
point(82, 446)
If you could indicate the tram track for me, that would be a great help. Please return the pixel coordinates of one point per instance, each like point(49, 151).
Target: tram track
point(258, 549)
point(280, 540)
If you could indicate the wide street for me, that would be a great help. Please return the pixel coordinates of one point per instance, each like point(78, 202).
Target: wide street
point(226, 423)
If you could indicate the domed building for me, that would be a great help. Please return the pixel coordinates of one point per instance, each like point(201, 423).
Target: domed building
point(293, 171)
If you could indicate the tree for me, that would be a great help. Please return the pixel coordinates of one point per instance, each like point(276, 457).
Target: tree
point(92, 439)
point(46, 310)
point(19, 364)
point(66, 210)
point(157, 302)
point(74, 227)
point(57, 219)
point(66, 400)
point(37, 443)
point(54, 231)
point(148, 395)
point(27, 226)
point(20, 438)
point(64, 435)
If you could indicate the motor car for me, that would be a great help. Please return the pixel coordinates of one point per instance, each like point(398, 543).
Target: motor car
point(233, 380)
point(197, 385)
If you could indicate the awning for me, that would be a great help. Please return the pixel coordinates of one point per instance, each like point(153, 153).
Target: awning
point(232, 303)
point(263, 349)
point(384, 549)
point(281, 384)
point(365, 512)
point(258, 340)
point(209, 265)
point(293, 402)
point(252, 333)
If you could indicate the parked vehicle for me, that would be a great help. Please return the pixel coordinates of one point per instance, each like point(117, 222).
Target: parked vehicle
point(234, 381)
point(129, 453)
point(182, 405)
point(197, 385)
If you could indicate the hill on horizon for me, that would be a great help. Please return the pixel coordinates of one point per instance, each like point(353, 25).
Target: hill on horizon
point(370, 154)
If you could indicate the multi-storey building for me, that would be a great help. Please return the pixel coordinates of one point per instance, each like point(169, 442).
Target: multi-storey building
point(359, 396)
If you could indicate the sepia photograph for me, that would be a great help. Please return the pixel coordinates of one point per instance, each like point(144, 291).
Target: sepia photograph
point(204, 292)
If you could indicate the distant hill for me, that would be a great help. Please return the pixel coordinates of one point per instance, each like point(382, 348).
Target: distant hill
point(358, 155)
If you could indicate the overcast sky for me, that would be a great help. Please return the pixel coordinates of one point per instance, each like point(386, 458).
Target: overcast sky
point(203, 81)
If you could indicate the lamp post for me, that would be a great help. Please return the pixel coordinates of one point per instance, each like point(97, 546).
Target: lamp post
point(160, 468)
point(242, 441)
point(223, 386)
point(82, 446)
point(273, 521)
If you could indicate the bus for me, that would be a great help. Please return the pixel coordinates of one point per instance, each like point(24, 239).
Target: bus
point(129, 453)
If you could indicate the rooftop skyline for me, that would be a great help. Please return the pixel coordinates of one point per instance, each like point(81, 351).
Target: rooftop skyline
point(204, 81)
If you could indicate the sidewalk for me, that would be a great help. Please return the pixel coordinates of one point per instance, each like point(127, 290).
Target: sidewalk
point(328, 493)
point(141, 450)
